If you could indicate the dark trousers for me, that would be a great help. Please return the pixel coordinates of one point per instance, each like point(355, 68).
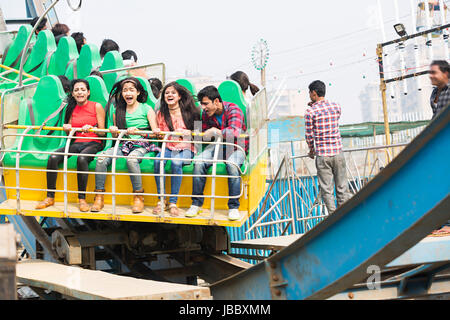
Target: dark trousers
point(84, 149)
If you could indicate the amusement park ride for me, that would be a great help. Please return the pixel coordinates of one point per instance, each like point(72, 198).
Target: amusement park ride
point(163, 257)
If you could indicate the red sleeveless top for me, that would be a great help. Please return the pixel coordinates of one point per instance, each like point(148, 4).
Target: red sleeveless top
point(83, 115)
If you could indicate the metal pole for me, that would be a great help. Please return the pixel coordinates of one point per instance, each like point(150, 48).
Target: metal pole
point(416, 44)
point(383, 33)
point(22, 62)
point(161, 178)
point(19, 148)
point(400, 50)
point(383, 94)
point(444, 32)
point(66, 150)
point(428, 22)
point(113, 171)
point(263, 77)
point(8, 287)
point(290, 179)
point(2, 21)
point(214, 171)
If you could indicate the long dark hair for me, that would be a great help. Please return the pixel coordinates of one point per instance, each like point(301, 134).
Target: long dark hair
point(189, 111)
point(72, 102)
point(244, 82)
point(119, 101)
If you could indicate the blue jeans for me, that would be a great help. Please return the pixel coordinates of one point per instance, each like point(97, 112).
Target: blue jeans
point(234, 184)
point(177, 168)
point(132, 164)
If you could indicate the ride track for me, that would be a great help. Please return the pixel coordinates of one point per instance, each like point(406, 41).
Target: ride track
point(398, 208)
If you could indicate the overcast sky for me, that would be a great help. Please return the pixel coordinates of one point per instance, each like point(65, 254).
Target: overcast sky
point(334, 41)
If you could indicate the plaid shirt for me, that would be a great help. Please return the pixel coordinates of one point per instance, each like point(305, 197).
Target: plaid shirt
point(443, 100)
point(233, 124)
point(322, 128)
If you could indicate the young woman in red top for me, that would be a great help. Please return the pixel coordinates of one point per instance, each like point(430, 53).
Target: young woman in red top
point(84, 114)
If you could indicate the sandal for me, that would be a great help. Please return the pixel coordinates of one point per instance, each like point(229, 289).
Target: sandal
point(173, 210)
point(157, 209)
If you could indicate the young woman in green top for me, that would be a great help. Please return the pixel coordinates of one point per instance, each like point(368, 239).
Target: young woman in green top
point(131, 114)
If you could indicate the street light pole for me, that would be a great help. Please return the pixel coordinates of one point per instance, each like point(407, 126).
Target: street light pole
point(383, 94)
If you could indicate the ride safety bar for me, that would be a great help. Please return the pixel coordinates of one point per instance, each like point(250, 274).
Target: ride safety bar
point(218, 143)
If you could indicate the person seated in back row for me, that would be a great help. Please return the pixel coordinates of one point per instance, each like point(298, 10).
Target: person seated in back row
point(226, 120)
point(42, 25)
point(245, 84)
point(156, 86)
point(80, 40)
point(130, 60)
point(107, 46)
point(60, 30)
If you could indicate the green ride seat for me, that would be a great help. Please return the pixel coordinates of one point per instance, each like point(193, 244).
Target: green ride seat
point(47, 99)
point(230, 91)
point(44, 46)
point(12, 55)
point(191, 87)
point(100, 94)
point(88, 60)
point(98, 90)
point(65, 53)
point(151, 100)
point(35, 64)
point(112, 60)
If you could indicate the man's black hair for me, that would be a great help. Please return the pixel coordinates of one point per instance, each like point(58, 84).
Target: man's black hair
point(210, 92)
point(41, 24)
point(129, 54)
point(108, 45)
point(443, 65)
point(60, 29)
point(319, 87)
point(96, 73)
point(156, 86)
point(79, 39)
point(65, 82)
point(156, 82)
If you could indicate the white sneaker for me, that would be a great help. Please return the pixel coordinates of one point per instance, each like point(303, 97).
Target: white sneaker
point(192, 211)
point(233, 214)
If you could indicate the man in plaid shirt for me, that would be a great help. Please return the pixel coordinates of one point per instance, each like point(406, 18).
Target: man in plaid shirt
point(226, 120)
point(439, 76)
point(439, 100)
point(324, 142)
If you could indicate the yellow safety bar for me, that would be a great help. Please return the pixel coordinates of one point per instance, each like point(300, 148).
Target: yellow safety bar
point(17, 71)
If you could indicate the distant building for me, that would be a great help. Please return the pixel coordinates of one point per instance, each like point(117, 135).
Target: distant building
point(198, 80)
point(287, 103)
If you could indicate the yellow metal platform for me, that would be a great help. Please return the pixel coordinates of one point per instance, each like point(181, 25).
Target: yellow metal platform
point(123, 213)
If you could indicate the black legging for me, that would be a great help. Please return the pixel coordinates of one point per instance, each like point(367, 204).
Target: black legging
point(83, 161)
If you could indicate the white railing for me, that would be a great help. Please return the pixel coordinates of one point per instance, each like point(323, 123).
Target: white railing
point(28, 133)
point(293, 203)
